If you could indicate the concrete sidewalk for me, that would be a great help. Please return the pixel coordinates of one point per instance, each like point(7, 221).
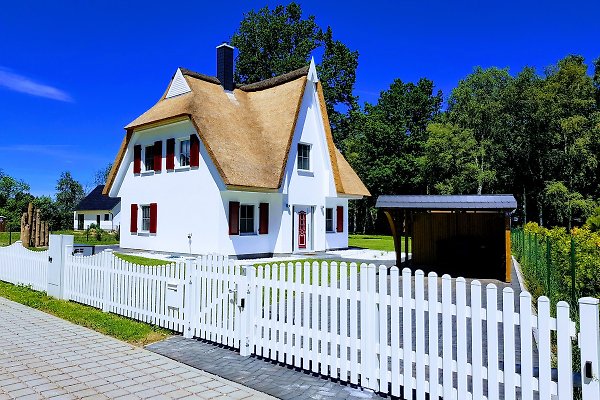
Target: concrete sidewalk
point(43, 357)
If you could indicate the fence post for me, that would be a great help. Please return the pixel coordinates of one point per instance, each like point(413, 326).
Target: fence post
point(188, 303)
point(107, 266)
point(573, 295)
point(246, 295)
point(589, 344)
point(548, 265)
point(56, 264)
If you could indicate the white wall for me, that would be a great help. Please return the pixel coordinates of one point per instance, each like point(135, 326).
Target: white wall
point(188, 199)
point(196, 202)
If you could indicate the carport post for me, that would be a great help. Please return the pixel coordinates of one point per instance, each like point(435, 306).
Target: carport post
point(507, 256)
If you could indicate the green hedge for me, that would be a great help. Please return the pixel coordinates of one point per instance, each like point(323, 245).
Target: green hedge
point(559, 264)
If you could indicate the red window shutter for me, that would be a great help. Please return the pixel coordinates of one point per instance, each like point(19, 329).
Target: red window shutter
point(234, 218)
point(153, 215)
point(263, 227)
point(158, 155)
point(137, 159)
point(194, 151)
point(340, 219)
point(170, 154)
point(134, 216)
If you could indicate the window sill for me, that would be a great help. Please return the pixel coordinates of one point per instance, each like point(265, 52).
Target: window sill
point(249, 234)
point(330, 232)
point(147, 173)
point(305, 172)
point(185, 168)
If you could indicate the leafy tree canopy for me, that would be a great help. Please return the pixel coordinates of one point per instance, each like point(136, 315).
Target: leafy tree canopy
point(272, 42)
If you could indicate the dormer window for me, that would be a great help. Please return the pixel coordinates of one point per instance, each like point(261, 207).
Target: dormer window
point(304, 156)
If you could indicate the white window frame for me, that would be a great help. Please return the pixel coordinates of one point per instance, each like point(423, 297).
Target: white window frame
point(309, 146)
point(332, 230)
point(254, 214)
point(178, 143)
point(141, 218)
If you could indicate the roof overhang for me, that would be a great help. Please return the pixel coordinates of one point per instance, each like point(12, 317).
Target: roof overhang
point(497, 202)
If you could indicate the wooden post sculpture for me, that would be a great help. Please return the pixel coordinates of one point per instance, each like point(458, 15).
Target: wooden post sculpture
point(34, 231)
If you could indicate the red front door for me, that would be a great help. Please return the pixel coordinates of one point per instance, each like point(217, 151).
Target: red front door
point(302, 230)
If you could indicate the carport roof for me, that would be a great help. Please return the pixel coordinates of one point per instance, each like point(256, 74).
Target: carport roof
point(449, 202)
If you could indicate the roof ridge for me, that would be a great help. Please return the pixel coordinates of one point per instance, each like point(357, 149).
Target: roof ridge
point(275, 81)
point(255, 86)
point(198, 75)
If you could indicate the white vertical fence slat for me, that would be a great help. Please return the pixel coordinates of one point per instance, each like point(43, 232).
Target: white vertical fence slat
point(352, 324)
point(526, 327)
point(565, 355)
point(508, 329)
point(433, 315)
point(476, 340)
point(407, 334)
point(420, 334)
point(461, 338)
point(544, 347)
point(344, 298)
point(447, 337)
point(354, 335)
point(382, 326)
point(395, 330)
point(492, 341)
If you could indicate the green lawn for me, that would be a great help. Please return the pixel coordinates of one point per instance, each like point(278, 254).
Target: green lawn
point(82, 237)
point(5, 236)
point(142, 260)
point(128, 330)
point(374, 242)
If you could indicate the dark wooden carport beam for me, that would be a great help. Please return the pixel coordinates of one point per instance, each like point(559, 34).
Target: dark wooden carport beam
point(397, 240)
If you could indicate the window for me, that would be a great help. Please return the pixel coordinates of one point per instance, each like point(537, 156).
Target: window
point(184, 153)
point(329, 219)
point(145, 218)
point(246, 218)
point(98, 221)
point(106, 218)
point(304, 156)
point(149, 158)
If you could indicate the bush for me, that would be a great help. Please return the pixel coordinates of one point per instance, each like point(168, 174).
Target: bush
point(545, 256)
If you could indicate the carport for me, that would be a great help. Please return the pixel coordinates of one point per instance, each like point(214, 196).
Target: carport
point(461, 235)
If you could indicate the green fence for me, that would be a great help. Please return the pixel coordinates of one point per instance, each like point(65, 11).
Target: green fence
point(548, 264)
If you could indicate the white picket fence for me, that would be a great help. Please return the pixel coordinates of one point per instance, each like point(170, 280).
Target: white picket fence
point(22, 266)
point(388, 330)
point(395, 334)
point(150, 294)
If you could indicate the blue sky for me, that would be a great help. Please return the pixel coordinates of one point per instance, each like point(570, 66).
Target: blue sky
point(73, 74)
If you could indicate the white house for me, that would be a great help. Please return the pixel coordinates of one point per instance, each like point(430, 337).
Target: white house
point(99, 209)
point(230, 169)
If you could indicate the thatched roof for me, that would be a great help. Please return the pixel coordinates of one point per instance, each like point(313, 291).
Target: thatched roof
point(248, 133)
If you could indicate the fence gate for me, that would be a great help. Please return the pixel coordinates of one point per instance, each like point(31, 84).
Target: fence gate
point(214, 299)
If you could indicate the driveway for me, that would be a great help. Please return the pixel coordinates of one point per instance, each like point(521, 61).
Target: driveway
point(43, 357)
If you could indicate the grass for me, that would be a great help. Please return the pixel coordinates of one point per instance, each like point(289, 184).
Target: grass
point(152, 262)
point(82, 237)
point(5, 236)
point(375, 242)
point(125, 329)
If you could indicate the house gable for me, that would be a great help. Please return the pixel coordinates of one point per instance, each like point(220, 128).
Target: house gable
point(178, 85)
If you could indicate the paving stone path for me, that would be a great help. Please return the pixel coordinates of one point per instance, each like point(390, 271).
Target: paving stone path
point(43, 357)
point(269, 377)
